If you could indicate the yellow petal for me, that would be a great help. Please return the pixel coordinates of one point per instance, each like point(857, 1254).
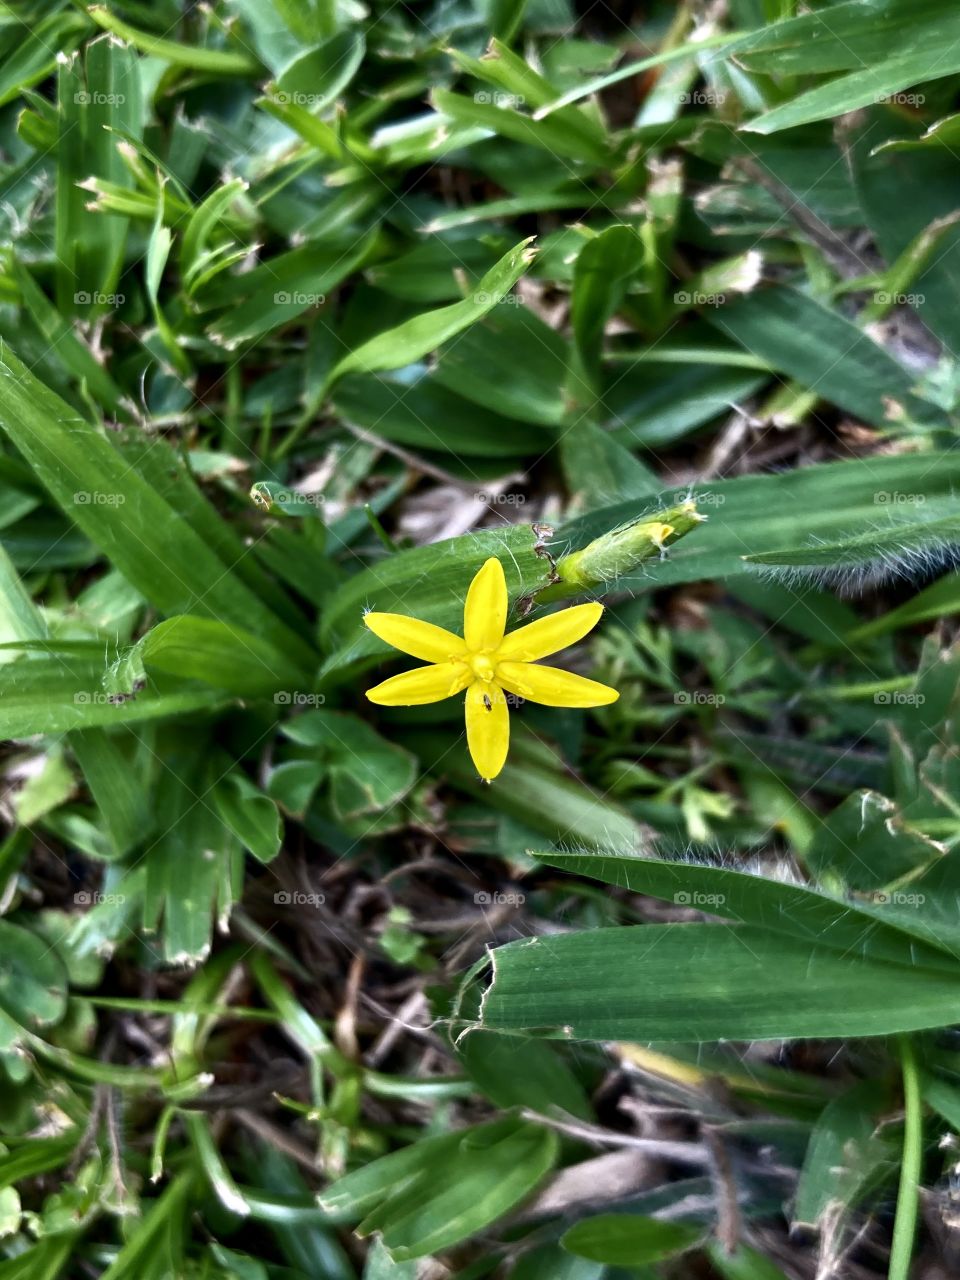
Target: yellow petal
point(488, 727)
point(553, 687)
point(419, 639)
point(485, 613)
point(547, 635)
point(424, 684)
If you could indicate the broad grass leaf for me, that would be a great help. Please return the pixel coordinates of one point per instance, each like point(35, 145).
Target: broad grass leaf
point(866, 844)
point(512, 363)
point(586, 89)
point(34, 56)
point(844, 1151)
point(906, 536)
point(629, 1239)
point(280, 290)
point(33, 981)
point(706, 982)
point(803, 912)
point(601, 471)
point(117, 786)
point(515, 1073)
point(250, 815)
point(603, 268)
point(367, 772)
point(197, 57)
point(414, 338)
point(322, 73)
point(751, 514)
point(421, 412)
point(556, 137)
point(745, 1263)
point(431, 1194)
point(195, 865)
point(158, 553)
point(220, 655)
point(48, 695)
point(426, 582)
point(881, 177)
point(823, 351)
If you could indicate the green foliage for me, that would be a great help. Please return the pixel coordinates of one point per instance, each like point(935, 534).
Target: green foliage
point(307, 309)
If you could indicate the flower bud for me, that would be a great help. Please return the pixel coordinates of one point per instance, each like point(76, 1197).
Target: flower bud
point(624, 549)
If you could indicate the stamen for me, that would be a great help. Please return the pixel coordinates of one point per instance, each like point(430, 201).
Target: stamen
point(481, 666)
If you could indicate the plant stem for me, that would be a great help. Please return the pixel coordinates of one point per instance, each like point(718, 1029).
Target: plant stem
point(908, 1195)
point(378, 528)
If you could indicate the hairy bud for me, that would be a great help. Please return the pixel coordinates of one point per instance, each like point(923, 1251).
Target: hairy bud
point(624, 549)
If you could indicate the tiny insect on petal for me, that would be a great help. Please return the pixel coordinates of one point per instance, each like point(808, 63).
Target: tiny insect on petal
point(424, 684)
point(485, 613)
point(488, 728)
point(547, 635)
point(553, 687)
point(419, 639)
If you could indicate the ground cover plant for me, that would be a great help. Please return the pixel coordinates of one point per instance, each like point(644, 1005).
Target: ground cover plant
point(478, 659)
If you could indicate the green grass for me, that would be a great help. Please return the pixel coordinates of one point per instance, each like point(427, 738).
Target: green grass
point(308, 309)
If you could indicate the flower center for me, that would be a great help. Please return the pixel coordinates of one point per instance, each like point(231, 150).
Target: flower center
point(482, 666)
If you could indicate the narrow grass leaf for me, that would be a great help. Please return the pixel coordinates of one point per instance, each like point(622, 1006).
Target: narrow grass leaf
point(424, 333)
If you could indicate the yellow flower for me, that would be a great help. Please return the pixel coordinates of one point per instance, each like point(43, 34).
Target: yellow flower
point(488, 664)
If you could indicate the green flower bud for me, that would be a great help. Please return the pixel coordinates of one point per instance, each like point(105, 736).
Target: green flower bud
point(624, 549)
